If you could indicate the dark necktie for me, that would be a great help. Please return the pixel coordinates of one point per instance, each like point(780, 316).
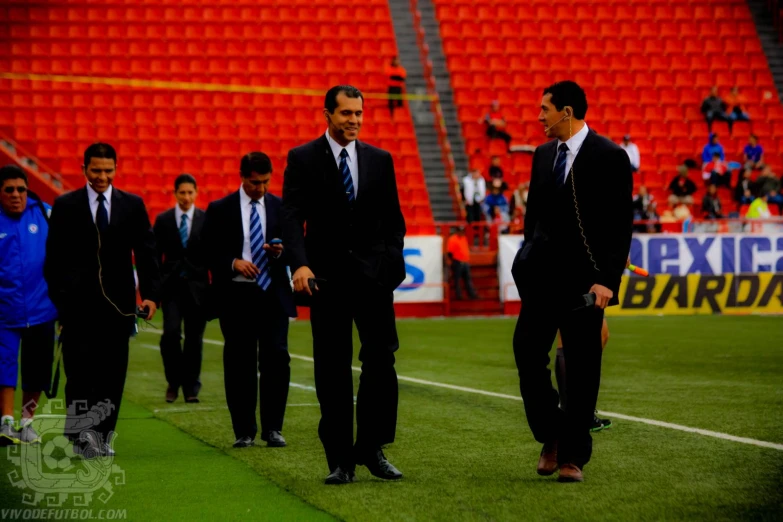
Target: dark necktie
point(102, 215)
point(257, 248)
point(346, 173)
point(183, 231)
point(560, 165)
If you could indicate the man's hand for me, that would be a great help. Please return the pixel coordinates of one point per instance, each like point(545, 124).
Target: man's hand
point(628, 262)
point(246, 268)
point(301, 277)
point(152, 307)
point(275, 250)
point(602, 295)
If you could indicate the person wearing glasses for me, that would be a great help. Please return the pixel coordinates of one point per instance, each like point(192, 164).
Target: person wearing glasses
point(27, 314)
point(253, 300)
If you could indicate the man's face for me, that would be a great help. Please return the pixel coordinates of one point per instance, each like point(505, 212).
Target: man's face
point(13, 196)
point(714, 140)
point(550, 118)
point(495, 105)
point(717, 161)
point(256, 185)
point(476, 174)
point(100, 173)
point(712, 190)
point(642, 190)
point(346, 120)
point(186, 196)
point(714, 91)
point(496, 161)
point(752, 141)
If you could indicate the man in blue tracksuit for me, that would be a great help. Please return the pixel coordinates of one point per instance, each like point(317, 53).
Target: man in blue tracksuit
point(27, 314)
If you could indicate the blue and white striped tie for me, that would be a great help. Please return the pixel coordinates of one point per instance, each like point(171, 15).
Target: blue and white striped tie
point(346, 173)
point(183, 230)
point(260, 258)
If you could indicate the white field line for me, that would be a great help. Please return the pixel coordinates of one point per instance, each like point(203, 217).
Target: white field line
point(651, 422)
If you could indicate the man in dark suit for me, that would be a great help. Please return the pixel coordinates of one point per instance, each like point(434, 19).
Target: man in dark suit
point(94, 233)
point(254, 301)
point(184, 281)
point(345, 193)
point(577, 236)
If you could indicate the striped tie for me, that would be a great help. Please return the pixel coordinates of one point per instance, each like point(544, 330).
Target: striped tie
point(183, 230)
point(257, 248)
point(346, 173)
point(560, 165)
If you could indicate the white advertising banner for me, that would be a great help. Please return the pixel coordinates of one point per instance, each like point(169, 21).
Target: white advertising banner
point(508, 246)
point(424, 270)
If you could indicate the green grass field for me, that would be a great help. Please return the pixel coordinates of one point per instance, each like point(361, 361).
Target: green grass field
point(468, 456)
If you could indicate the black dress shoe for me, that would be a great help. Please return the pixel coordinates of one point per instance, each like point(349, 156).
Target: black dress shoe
point(192, 400)
point(244, 442)
point(171, 394)
point(338, 476)
point(274, 439)
point(378, 465)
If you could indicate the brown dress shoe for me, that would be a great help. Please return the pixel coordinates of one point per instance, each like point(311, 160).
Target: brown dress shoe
point(547, 464)
point(570, 473)
point(171, 394)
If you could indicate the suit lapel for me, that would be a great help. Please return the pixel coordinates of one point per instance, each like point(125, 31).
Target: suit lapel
point(270, 206)
point(198, 223)
point(86, 211)
point(584, 152)
point(235, 221)
point(548, 163)
point(363, 158)
point(116, 203)
point(332, 181)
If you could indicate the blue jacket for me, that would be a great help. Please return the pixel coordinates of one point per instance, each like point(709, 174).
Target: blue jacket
point(24, 295)
point(710, 149)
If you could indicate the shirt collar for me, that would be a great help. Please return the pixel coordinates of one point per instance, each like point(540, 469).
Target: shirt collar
point(576, 141)
point(337, 148)
point(93, 196)
point(178, 213)
point(244, 199)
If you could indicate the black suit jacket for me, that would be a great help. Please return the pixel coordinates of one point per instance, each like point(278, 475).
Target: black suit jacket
point(368, 234)
point(223, 238)
point(604, 184)
point(174, 259)
point(72, 262)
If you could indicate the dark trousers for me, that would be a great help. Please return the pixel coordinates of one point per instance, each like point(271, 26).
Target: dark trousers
point(495, 133)
point(255, 358)
point(473, 213)
point(394, 102)
point(711, 116)
point(334, 309)
point(533, 338)
point(461, 272)
point(95, 359)
point(182, 365)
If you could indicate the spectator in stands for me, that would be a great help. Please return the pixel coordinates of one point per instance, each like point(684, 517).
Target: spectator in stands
point(501, 219)
point(644, 209)
point(736, 105)
point(717, 172)
point(714, 108)
point(682, 212)
point(743, 192)
point(518, 200)
point(710, 205)
point(681, 188)
point(396, 81)
point(711, 148)
point(767, 181)
point(633, 152)
point(496, 125)
point(759, 209)
point(753, 154)
point(474, 189)
point(458, 252)
point(27, 314)
point(495, 170)
point(496, 199)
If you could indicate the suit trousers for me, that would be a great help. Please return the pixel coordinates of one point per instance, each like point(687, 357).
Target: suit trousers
point(581, 332)
point(256, 364)
point(182, 364)
point(335, 307)
point(95, 359)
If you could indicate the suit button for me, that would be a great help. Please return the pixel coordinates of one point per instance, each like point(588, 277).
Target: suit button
point(350, 251)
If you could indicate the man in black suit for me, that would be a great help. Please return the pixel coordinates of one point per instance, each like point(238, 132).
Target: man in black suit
point(94, 233)
point(184, 281)
point(254, 301)
point(577, 236)
point(345, 193)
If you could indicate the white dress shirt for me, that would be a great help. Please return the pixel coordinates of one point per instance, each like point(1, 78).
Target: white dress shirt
point(92, 197)
point(633, 153)
point(475, 189)
point(178, 216)
point(353, 161)
point(574, 144)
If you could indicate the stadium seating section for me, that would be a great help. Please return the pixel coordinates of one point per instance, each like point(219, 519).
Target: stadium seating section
point(161, 132)
point(646, 66)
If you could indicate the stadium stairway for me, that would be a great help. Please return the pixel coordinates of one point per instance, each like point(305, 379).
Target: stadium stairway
point(770, 42)
point(484, 271)
point(423, 116)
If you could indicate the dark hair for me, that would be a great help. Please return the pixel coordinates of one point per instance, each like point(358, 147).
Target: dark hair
point(754, 137)
point(184, 178)
point(255, 162)
point(99, 150)
point(716, 154)
point(12, 172)
point(330, 101)
point(568, 93)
